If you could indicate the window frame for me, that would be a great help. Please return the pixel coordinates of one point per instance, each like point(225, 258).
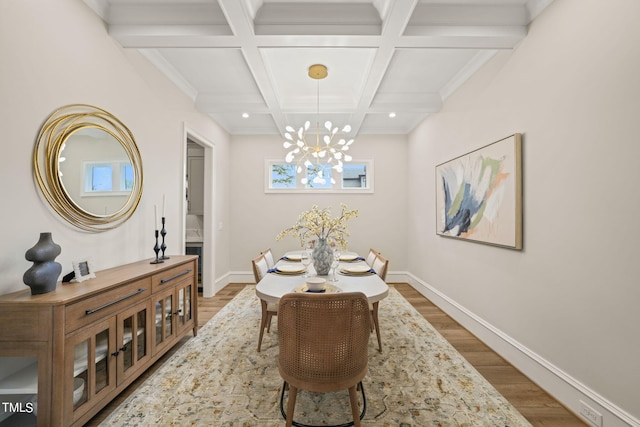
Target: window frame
point(335, 188)
point(118, 177)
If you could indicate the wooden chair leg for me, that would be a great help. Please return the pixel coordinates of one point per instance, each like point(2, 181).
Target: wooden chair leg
point(293, 394)
point(263, 323)
point(372, 322)
point(376, 324)
point(353, 398)
point(269, 316)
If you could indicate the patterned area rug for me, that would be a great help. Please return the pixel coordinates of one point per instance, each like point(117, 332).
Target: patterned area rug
point(219, 379)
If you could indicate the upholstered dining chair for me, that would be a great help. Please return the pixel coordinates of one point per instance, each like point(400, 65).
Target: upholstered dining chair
point(371, 257)
point(260, 268)
point(268, 256)
point(323, 340)
point(380, 266)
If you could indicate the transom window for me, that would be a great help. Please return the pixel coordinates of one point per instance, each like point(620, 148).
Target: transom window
point(356, 177)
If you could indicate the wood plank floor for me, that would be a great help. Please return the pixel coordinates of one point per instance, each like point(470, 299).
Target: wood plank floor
point(534, 403)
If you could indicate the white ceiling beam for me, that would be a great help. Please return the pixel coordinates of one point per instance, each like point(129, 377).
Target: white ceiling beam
point(393, 27)
point(456, 37)
point(171, 36)
point(206, 36)
point(241, 25)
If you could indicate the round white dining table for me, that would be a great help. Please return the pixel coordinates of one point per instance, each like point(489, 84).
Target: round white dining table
point(274, 285)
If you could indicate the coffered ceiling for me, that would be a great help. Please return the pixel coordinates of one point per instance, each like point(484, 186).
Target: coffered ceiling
point(235, 57)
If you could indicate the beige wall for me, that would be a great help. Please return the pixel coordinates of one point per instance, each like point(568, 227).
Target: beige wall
point(57, 53)
point(571, 296)
point(257, 217)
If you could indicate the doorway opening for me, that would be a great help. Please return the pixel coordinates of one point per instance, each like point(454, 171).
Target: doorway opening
point(198, 208)
point(194, 225)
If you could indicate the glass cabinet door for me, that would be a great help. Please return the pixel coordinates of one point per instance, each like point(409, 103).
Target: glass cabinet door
point(185, 309)
point(133, 343)
point(164, 328)
point(90, 369)
point(168, 316)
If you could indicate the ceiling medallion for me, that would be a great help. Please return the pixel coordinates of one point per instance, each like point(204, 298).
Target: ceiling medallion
point(321, 146)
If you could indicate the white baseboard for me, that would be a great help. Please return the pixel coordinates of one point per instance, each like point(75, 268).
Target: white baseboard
point(562, 386)
point(233, 277)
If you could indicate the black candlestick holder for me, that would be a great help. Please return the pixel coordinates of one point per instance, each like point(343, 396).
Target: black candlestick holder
point(156, 249)
point(163, 246)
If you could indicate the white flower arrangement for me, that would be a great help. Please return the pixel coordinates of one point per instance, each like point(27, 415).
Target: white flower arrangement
point(318, 223)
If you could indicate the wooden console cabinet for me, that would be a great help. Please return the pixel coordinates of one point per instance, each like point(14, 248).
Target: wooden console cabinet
point(65, 354)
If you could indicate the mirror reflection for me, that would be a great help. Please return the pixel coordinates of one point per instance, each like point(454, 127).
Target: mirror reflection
point(95, 171)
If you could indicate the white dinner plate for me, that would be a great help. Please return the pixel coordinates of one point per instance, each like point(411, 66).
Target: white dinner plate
point(348, 257)
point(294, 257)
point(359, 268)
point(290, 268)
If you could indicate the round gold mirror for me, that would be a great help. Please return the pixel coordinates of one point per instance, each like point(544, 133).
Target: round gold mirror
point(88, 167)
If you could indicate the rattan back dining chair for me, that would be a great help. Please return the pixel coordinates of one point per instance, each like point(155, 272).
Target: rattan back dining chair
point(323, 340)
point(260, 269)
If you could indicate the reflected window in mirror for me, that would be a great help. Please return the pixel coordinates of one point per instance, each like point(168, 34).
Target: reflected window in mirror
point(107, 179)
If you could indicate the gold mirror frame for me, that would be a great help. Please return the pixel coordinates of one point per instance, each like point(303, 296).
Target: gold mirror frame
point(49, 144)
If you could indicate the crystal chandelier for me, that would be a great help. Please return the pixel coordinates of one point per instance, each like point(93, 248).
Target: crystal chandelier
point(311, 151)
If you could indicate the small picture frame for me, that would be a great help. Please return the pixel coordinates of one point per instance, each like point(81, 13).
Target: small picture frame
point(83, 270)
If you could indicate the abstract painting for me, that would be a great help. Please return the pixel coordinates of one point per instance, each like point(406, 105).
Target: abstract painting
point(479, 195)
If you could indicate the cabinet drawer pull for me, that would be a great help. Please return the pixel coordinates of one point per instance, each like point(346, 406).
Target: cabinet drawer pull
point(187, 271)
point(93, 310)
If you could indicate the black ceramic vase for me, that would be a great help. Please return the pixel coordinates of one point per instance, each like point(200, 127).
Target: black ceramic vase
point(42, 277)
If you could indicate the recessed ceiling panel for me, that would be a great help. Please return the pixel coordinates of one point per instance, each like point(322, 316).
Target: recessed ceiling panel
point(340, 91)
point(424, 70)
point(382, 123)
point(213, 70)
point(254, 124)
point(297, 120)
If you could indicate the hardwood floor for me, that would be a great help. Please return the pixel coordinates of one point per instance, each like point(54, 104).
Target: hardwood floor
point(534, 403)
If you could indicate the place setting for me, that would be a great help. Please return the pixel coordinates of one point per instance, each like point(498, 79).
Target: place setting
point(317, 285)
point(293, 268)
point(360, 269)
point(350, 257)
point(294, 257)
point(288, 269)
